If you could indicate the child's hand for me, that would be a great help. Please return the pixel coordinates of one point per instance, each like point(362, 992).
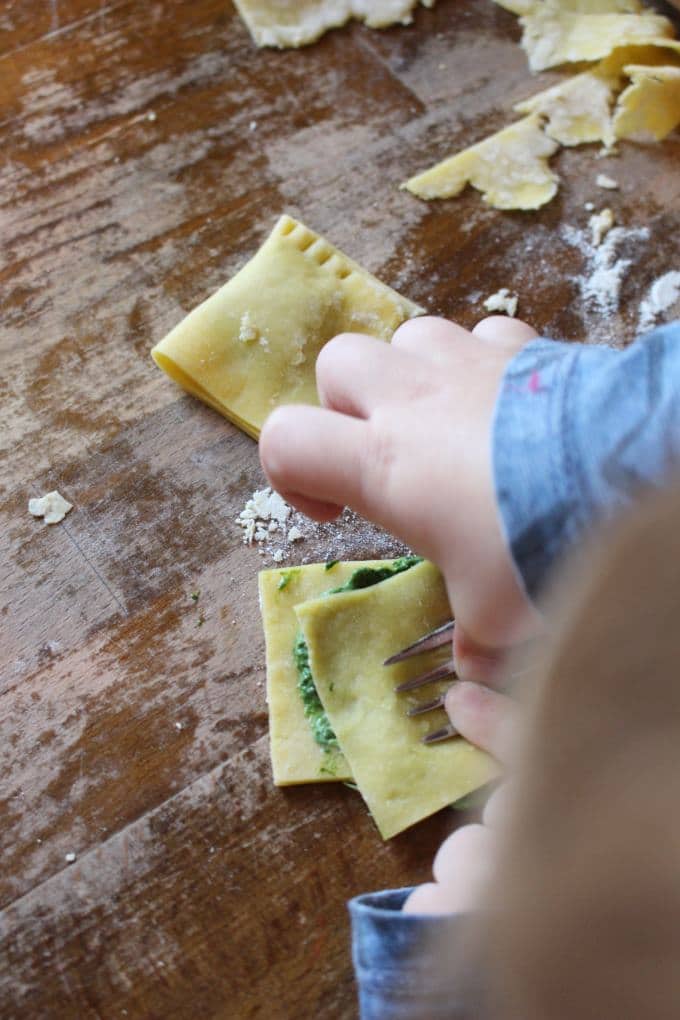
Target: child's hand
point(463, 865)
point(404, 438)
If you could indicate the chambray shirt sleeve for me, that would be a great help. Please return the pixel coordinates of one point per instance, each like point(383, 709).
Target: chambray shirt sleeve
point(579, 432)
point(399, 973)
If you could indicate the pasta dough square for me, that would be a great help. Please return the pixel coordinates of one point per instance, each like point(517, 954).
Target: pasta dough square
point(290, 23)
point(349, 635)
point(253, 344)
point(296, 757)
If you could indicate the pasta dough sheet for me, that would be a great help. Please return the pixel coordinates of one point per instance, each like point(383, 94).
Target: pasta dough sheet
point(580, 6)
point(349, 635)
point(510, 168)
point(555, 37)
point(577, 110)
point(253, 344)
point(296, 757)
point(649, 109)
point(291, 23)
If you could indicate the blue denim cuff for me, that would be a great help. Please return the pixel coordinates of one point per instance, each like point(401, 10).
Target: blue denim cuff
point(398, 969)
point(578, 432)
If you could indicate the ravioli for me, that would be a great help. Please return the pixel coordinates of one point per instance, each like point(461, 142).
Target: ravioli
point(510, 168)
point(349, 635)
point(649, 109)
point(253, 344)
point(292, 23)
point(295, 755)
point(553, 37)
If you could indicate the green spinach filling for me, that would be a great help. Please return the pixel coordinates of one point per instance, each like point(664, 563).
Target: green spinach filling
point(362, 577)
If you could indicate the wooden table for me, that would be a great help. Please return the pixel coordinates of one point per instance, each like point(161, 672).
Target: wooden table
point(146, 150)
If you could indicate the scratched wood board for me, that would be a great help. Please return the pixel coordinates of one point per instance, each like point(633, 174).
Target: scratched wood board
point(147, 150)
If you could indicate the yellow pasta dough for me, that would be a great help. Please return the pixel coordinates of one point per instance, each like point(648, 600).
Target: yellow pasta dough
point(553, 37)
point(577, 110)
point(290, 23)
point(253, 344)
point(296, 757)
point(580, 108)
point(582, 6)
point(649, 108)
point(349, 635)
point(510, 168)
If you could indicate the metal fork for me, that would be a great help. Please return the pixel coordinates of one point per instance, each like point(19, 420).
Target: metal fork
point(435, 639)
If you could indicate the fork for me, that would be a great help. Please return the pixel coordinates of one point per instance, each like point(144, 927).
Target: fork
point(436, 638)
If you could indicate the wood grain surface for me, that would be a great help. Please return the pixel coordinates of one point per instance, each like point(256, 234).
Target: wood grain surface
point(145, 151)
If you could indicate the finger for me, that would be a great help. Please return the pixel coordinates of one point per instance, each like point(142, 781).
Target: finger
point(480, 663)
point(502, 331)
point(313, 508)
point(465, 857)
point(313, 454)
point(426, 899)
point(498, 806)
point(484, 717)
point(429, 337)
point(355, 373)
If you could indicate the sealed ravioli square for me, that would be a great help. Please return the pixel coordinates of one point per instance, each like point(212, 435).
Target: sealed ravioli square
point(295, 754)
point(253, 344)
point(349, 635)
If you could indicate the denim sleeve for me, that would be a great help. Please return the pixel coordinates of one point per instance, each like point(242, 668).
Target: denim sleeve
point(400, 975)
point(578, 433)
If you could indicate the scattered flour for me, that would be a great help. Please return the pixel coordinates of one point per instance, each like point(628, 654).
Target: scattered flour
point(663, 294)
point(605, 268)
point(264, 513)
point(270, 523)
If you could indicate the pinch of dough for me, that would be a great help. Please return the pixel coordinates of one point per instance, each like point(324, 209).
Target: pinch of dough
point(292, 23)
point(52, 507)
point(349, 636)
point(296, 757)
point(253, 345)
point(650, 107)
point(510, 168)
point(554, 37)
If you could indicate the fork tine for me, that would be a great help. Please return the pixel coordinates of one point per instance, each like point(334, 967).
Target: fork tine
point(435, 639)
point(445, 733)
point(426, 706)
point(438, 673)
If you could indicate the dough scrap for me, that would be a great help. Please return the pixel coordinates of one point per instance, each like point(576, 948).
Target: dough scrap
point(577, 110)
point(581, 6)
point(52, 507)
point(292, 23)
point(349, 636)
point(553, 37)
point(510, 168)
point(580, 108)
point(649, 109)
point(253, 344)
